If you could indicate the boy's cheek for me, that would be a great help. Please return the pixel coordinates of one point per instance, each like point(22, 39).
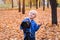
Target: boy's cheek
point(34, 16)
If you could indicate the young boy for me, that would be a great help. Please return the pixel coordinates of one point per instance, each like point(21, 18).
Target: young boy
point(29, 32)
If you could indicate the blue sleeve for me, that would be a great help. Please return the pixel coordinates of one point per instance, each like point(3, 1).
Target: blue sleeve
point(37, 27)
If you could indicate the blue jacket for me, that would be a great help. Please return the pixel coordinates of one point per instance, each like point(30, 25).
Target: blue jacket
point(34, 27)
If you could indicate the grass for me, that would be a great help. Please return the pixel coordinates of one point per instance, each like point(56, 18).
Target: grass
point(5, 5)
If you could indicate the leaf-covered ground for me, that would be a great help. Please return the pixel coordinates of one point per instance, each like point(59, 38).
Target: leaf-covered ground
point(10, 21)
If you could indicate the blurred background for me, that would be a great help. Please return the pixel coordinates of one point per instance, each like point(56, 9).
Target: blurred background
point(8, 3)
point(12, 12)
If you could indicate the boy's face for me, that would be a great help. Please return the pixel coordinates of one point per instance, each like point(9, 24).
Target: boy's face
point(32, 16)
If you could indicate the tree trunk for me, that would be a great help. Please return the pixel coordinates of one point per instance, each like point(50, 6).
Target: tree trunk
point(47, 3)
point(54, 11)
point(4, 1)
point(43, 5)
point(19, 5)
point(30, 4)
point(39, 3)
point(36, 4)
point(12, 3)
point(23, 8)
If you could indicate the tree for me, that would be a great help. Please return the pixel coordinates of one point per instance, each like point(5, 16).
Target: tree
point(47, 3)
point(39, 3)
point(43, 5)
point(12, 3)
point(36, 4)
point(30, 4)
point(53, 4)
point(19, 5)
point(23, 7)
point(4, 1)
